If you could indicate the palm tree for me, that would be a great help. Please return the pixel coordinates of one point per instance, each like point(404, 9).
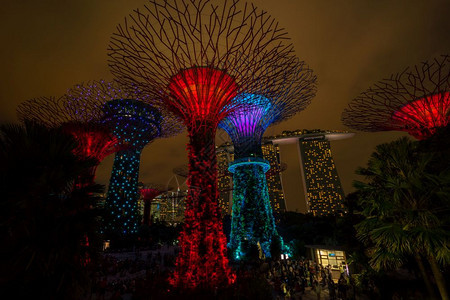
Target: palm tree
point(405, 201)
point(44, 215)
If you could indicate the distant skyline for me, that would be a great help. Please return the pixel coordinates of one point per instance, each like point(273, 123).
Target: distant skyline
point(48, 46)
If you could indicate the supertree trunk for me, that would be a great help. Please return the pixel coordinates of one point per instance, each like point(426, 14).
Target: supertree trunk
point(123, 194)
point(202, 262)
point(252, 220)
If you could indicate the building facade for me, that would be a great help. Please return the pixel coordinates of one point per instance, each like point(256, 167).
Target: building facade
point(322, 187)
point(271, 153)
point(324, 194)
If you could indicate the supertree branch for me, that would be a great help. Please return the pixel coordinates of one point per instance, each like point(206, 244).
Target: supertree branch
point(195, 56)
point(94, 139)
point(169, 36)
point(416, 100)
point(135, 124)
point(270, 103)
point(88, 100)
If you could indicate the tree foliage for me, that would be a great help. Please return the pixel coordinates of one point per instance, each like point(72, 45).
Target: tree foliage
point(48, 222)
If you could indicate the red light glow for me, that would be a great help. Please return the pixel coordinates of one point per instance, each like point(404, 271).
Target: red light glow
point(202, 261)
point(421, 117)
point(93, 143)
point(201, 93)
point(202, 97)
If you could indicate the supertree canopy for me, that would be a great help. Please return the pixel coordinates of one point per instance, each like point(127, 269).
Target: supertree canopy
point(94, 139)
point(252, 223)
point(195, 56)
point(149, 192)
point(416, 100)
point(135, 124)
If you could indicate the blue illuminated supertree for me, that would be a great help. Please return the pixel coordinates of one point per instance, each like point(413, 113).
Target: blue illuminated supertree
point(135, 124)
point(253, 224)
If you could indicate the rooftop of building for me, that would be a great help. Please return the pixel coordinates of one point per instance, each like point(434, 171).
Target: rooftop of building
point(287, 137)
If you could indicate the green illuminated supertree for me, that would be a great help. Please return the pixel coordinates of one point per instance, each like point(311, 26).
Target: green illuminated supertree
point(253, 224)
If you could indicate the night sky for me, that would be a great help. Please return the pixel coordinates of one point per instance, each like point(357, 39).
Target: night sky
point(48, 46)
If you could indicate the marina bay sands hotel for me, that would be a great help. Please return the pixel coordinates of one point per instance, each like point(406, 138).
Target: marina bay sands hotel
point(321, 186)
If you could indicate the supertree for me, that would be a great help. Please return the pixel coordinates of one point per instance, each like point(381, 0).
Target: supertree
point(135, 124)
point(416, 100)
point(195, 56)
point(94, 139)
point(252, 221)
point(149, 192)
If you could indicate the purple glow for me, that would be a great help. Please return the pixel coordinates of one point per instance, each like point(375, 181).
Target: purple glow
point(249, 118)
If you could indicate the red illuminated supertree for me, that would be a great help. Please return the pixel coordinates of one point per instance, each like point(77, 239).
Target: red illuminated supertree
point(416, 100)
point(195, 56)
point(149, 192)
point(94, 140)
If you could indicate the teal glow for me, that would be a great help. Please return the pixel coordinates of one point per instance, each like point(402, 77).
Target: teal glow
point(252, 221)
point(249, 161)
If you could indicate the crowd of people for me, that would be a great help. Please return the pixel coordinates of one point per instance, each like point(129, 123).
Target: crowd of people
point(121, 273)
point(291, 278)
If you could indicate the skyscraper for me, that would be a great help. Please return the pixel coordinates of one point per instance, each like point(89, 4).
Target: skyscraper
point(323, 191)
point(271, 153)
point(324, 194)
point(224, 178)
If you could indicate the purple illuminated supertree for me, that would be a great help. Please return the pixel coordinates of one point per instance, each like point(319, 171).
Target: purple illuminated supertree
point(135, 124)
point(252, 223)
point(195, 56)
point(416, 100)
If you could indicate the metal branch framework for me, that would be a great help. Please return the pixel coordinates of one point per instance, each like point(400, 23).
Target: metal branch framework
point(416, 100)
point(95, 140)
point(135, 124)
point(271, 103)
point(194, 57)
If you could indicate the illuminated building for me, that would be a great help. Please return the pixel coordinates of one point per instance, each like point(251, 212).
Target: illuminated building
point(321, 183)
point(324, 194)
point(271, 153)
point(224, 180)
point(416, 100)
point(333, 256)
point(169, 207)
